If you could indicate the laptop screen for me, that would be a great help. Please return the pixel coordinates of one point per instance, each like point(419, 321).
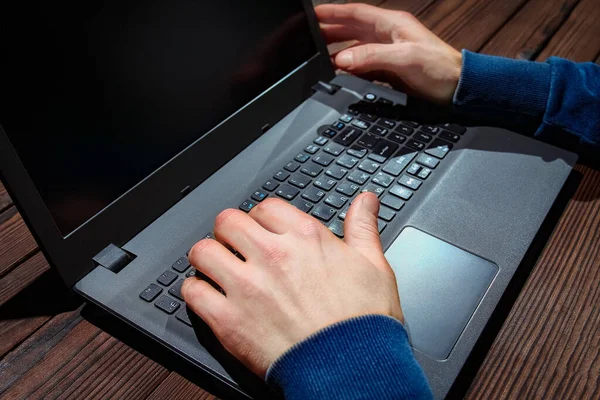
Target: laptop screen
point(96, 95)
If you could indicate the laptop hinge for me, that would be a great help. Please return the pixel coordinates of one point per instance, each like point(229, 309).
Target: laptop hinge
point(113, 258)
point(324, 87)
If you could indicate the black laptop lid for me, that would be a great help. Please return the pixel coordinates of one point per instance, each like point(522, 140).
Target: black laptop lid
point(112, 110)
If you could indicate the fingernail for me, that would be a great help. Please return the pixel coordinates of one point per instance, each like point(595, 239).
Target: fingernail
point(344, 59)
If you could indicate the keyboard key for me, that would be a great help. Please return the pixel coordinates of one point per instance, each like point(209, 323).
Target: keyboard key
point(411, 124)
point(358, 177)
point(453, 137)
point(301, 157)
point(371, 187)
point(347, 161)
point(311, 170)
point(337, 227)
point(343, 213)
point(434, 130)
point(368, 140)
point(287, 192)
point(386, 214)
point(388, 123)
point(270, 185)
point(368, 166)
point(348, 136)
point(370, 97)
point(384, 101)
point(167, 277)
point(405, 130)
point(414, 169)
point(337, 172)
point(409, 182)
point(323, 159)
point(381, 225)
point(181, 264)
point(383, 150)
point(325, 183)
point(428, 161)
point(360, 124)
point(167, 304)
point(338, 126)
point(302, 205)
point(299, 180)
point(400, 161)
point(321, 140)
point(313, 194)
point(424, 173)
point(334, 148)
point(345, 118)
point(175, 290)
point(439, 148)
point(357, 151)
point(150, 292)
point(378, 130)
point(382, 179)
point(368, 117)
point(311, 149)
point(191, 272)
point(415, 144)
point(247, 206)
point(184, 317)
point(423, 137)
point(323, 212)
point(329, 133)
point(281, 176)
point(396, 137)
point(392, 202)
point(259, 195)
point(336, 200)
point(292, 166)
point(401, 192)
point(347, 188)
point(454, 128)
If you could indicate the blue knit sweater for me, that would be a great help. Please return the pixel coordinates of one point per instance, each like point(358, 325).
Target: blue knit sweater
point(369, 357)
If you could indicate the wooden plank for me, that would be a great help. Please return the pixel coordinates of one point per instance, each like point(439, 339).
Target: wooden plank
point(579, 37)
point(19, 278)
point(17, 242)
point(176, 387)
point(5, 200)
point(529, 31)
point(469, 23)
point(14, 331)
point(415, 7)
point(548, 346)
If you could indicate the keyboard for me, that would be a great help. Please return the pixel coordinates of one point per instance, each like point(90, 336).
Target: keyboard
point(360, 152)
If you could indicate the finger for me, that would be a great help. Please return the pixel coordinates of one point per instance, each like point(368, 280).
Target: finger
point(204, 300)
point(240, 231)
point(277, 216)
point(217, 262)
point(360, 228)
point(361, 15)
point(373, 57)
point(345, 33)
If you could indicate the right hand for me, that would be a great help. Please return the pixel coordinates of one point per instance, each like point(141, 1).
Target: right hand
point(393, 46)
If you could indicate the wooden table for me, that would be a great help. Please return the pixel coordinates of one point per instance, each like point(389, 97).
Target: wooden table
point(548, 346)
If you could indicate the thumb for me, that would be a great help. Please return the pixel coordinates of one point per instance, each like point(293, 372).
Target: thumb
point(360, 228)
point(365, 58)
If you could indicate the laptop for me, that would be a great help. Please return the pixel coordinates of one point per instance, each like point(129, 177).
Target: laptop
point(127, 126)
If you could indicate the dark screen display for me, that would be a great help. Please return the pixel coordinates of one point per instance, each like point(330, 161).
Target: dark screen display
point(96, 95)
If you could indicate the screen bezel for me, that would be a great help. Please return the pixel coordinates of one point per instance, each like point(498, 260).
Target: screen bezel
point(121, 220)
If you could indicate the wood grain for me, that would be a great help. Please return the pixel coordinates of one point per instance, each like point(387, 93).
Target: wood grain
point(526, 34)
point(17, 242)
point(579, 37)
point(176, 387)
point(5, 200)
point(415, 7)
point(21, 277)
point(14, 331)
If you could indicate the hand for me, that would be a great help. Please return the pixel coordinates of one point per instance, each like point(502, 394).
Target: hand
point(393, 46)
point(297, 278)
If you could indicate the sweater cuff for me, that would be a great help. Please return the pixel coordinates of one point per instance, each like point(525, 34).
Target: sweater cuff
point(363, 356)
point(498, 87)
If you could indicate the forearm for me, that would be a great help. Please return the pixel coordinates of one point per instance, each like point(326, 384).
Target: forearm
point(364, 357)
point(560, 98)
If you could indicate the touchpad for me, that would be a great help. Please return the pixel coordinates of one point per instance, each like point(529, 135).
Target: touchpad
point(440, 287)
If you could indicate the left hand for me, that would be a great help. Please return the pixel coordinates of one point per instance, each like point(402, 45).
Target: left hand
point(297, 278)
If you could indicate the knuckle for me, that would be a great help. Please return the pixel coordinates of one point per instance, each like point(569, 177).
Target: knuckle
point(273, 252)
point(311, 230)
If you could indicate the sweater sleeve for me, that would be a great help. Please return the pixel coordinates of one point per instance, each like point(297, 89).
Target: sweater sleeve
point(366, 357)
point(560, 97)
